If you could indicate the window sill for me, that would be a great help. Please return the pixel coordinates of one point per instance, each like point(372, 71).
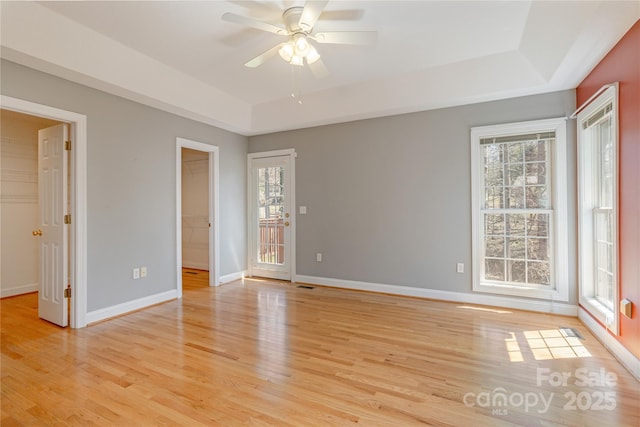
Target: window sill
point(520, 291)
point(603, 314)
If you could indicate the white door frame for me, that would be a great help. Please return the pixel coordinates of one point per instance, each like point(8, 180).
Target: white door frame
point(291, 152)
point(78, 198)
point(214, 210)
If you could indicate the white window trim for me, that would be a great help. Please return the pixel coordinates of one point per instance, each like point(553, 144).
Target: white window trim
point(559, 198)
point(609, 318)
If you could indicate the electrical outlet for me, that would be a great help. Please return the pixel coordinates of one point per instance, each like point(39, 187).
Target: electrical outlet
point(460, 267)
point(319, 257)
point(136, 273)
point(143, 271)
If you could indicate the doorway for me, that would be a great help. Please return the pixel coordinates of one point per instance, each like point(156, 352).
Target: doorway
point(195, 218)
point(197, 222)
point(271, 216)
point(20, 206)
point(71, 254)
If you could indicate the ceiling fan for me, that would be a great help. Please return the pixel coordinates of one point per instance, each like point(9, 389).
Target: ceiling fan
point(298, 28)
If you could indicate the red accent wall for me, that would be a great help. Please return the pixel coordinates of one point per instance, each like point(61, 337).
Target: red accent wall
point(622, 64)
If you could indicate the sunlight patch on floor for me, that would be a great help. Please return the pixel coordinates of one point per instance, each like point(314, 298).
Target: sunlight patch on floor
point(545, 345)
point(513, 348)
point(491, 310)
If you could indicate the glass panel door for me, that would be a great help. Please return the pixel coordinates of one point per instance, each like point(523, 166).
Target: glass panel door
point(271, 219)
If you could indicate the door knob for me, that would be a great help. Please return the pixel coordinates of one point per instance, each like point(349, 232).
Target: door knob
point(37, 232)
point(286, 224)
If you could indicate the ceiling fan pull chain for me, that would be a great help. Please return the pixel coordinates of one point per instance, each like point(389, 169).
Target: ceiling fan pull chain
point(299, 71)
point(295, 85)
point(293, 82)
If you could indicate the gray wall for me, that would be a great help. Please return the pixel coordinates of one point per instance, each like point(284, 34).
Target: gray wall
point(389, 199)
point(131, 185)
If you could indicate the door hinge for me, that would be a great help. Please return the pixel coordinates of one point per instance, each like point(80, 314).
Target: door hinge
point(67, 292)
point(67, 219)
point(67, 145)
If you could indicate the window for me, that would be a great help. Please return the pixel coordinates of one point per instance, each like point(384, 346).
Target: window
point(519, 209)
point(597, 207)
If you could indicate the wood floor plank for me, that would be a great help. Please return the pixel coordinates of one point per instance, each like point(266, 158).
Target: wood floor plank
point(266, 353)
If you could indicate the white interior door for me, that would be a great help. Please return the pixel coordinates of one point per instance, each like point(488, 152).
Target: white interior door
point(271, 217)
point(196, 209)
point(52, 184)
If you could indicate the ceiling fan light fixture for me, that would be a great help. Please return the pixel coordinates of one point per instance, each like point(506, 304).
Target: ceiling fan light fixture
point(301, 44)
point(297, 60)
point(312, 55)
point(287, 51)
point(297, 49)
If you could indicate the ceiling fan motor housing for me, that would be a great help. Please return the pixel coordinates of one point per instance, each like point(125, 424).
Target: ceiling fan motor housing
point(291, 18)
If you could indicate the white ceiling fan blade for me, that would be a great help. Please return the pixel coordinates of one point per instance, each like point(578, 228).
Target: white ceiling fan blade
point(318, 69)
point(347, 37)
point(311, 13)
point(263, 57)
point(249, 22)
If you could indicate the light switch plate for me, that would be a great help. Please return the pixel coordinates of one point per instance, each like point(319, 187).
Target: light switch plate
point(303, 210)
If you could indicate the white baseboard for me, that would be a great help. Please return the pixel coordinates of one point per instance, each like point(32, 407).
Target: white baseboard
point(126, 307)
point(628, 359)
point(233, 276)
point(19, 290)
point(195, 265)
point(499, 301)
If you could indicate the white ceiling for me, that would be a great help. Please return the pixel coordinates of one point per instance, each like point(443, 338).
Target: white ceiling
point(181, 57)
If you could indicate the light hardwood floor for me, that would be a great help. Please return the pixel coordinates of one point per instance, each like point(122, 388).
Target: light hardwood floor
point(261, 352)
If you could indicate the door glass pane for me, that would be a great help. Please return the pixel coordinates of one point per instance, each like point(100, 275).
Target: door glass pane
point(271, 215)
